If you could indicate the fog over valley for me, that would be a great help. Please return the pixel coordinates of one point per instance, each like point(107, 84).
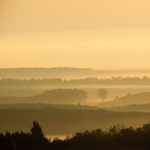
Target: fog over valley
point(74, 75)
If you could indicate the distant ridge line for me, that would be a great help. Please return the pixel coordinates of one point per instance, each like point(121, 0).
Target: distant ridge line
point(67, 72)
point(77, 68)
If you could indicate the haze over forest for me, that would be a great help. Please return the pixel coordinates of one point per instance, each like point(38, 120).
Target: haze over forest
point(21, 93)
point(75, 66)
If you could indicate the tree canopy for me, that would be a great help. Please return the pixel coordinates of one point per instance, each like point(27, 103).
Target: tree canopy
point(116, 137)
point(102, 93)
point(36, 130)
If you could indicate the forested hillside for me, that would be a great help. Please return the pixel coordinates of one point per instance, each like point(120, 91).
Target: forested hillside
point(47, 105)
point(133, 107)
point(139, 98)
point(52, 96)
point(66, 72)
point(52, 82)
point(67, 121)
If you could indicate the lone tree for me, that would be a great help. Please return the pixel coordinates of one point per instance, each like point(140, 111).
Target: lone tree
point(102, 93)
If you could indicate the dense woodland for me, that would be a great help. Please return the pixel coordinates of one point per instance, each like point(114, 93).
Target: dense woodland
point(139, 98)
point(133, 107)
point(67, 121)
point(52, 96)
point(74, 96)
point(66, 72)
point(57, 113)
point(128, 108)
point(117, 137)
point(10, 82)
point(47, 105)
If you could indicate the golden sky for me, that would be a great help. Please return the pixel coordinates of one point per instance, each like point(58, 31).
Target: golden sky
point(98, 34)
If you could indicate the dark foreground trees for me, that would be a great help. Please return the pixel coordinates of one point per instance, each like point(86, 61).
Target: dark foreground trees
point(116, 137)
point(33, 140)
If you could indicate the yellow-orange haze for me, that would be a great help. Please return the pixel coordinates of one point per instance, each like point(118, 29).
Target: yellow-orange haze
point(110, 34)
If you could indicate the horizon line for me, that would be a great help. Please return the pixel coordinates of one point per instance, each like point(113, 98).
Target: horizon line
point(70, 68)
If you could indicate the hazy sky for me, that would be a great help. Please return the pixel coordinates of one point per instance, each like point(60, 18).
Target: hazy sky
point(98, 34)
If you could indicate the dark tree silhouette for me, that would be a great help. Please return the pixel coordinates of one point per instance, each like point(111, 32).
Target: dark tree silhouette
point(36, 130)
point(38, 140)
point(117, 137)
point(102, 93)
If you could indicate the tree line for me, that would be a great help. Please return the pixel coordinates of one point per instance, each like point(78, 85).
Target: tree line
point(10, 82)
point(48, 105)
point(51, 96)
point(139, 98)
point(116, 137)
point(65, 72)
point(133, 107)
point(67, 121)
